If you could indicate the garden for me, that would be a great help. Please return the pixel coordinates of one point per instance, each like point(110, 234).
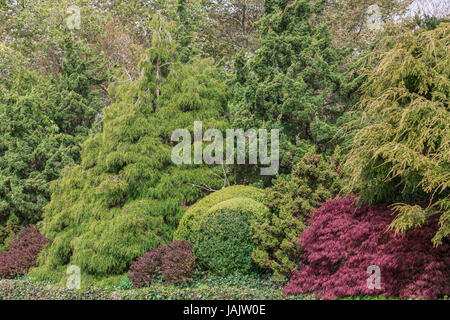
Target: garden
point(93, 205)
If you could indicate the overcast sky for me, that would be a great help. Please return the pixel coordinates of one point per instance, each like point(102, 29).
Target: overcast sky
point(438, 8)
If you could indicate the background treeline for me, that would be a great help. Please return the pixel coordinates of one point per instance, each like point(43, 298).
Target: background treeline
point(86, 117)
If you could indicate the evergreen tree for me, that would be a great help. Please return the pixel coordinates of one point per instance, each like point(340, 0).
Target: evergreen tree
point(127, 197)
point(291, 82)
point(42, 124)
point(74, 98)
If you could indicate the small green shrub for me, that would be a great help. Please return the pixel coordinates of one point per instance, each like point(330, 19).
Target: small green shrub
point(224, 244)
point(191, 220)
point(126, 284)
point(218, 226)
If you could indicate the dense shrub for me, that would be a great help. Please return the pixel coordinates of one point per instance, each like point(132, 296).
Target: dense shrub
point(218, 226)
point(343, 240)
point(191, 220)
point(173, 262)
point(22, 252)
point(290, 201)
point(224, 242)
point(178, 262)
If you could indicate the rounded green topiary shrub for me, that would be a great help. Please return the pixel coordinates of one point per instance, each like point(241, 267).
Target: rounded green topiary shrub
point(218, 226)
point(190, 222)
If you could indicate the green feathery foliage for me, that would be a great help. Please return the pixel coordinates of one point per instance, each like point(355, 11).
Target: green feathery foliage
point(127, 196)
point(291, 201)
point(402, 152)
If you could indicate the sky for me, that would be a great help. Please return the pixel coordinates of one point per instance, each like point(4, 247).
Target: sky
point(439, 8)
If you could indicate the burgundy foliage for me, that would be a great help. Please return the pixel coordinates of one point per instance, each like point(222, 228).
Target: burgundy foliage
point(173, 262)
point(344, 240)
point(21, 253)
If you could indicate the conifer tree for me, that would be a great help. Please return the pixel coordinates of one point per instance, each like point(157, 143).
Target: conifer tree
point(74, 97)
point(290, 83)
point(42, 125)
point(126, 197)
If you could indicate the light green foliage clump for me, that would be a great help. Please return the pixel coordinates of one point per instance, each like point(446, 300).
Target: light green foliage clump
point(291, 200)
point(127, 196)
point(218, 226)
point(402, 152)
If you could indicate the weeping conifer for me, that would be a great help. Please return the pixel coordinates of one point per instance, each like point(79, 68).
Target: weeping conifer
point(402, 153)
point(127, 196)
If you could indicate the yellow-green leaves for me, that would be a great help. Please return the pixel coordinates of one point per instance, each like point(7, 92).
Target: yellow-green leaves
point(402, 152)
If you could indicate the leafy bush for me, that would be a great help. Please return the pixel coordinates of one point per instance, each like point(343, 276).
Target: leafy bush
point(401, 154)
point(178, 262)
point(191, 220)
point(173, 262)
point(343, 240)
point(218, 226)
point(22, 253)
point(224, 244)
point(290, 201)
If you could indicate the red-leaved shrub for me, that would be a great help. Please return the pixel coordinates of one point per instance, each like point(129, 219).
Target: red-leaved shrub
point(343, 240)
point(173, 262)
point(21, 253)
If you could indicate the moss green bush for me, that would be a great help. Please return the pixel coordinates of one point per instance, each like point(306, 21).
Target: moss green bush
point(224, 242)
point(218, 226)
point(190, 222)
